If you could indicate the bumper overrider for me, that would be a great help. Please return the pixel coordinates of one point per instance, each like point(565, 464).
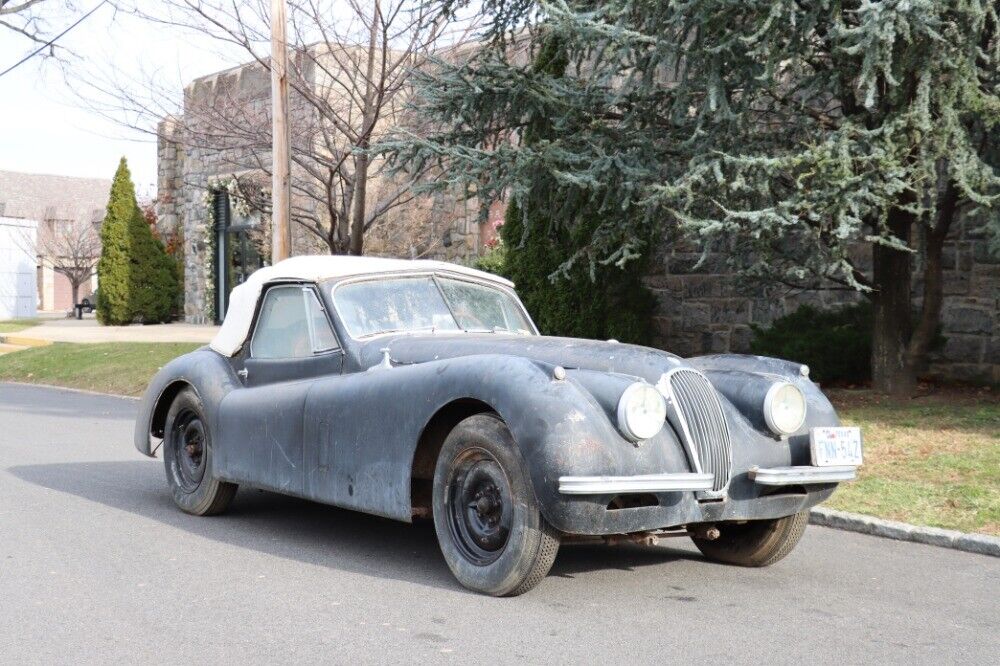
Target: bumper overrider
point(799, 475)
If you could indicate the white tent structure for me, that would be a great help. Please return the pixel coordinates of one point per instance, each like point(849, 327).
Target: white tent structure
point(18, 271)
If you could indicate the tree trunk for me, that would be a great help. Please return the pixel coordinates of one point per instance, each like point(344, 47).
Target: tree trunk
point(892, 369)
point(367, 125)
point(359, 209)
point(75, 289)
point(926, 327)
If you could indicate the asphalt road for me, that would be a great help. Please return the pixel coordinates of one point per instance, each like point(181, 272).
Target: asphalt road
point(96, 565)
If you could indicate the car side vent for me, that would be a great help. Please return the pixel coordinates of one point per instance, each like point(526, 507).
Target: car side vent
point(702, 423)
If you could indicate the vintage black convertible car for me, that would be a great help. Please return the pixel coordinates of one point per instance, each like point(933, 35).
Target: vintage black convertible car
point(418, 388)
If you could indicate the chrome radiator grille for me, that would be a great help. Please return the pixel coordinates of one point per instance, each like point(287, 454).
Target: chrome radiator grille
point(703, 424)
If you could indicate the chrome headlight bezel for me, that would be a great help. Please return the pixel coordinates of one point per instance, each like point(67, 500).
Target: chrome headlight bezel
point(629, 422)
point(773, 422)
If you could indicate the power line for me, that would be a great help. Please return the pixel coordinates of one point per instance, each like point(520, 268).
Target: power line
point(53, 40)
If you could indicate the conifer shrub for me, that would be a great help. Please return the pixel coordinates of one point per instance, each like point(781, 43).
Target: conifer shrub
point(835, 344)
point(611, 303)
point(137, 280)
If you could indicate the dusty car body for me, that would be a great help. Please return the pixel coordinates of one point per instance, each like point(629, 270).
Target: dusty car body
point(359, 417)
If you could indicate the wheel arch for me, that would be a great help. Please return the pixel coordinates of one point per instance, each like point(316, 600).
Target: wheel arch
point(432, 437)
point(203, 371)
point(158, 420)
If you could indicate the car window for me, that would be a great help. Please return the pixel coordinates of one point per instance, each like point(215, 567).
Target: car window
point(322, 335)
point(434, 304)
point(480, 308)
point(290, 320)
point(381, 306)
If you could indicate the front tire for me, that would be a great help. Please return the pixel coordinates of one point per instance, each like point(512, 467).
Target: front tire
point(488, 523)
point(187, 456)
point(756, 543)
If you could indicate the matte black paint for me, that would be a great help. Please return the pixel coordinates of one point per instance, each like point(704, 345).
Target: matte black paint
point(342, 430)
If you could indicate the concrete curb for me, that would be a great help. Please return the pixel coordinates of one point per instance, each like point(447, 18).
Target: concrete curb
point(983, 544)
point(21, 341)
point(70, 388)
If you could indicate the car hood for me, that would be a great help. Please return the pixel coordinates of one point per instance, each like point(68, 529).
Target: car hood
point(568, 352)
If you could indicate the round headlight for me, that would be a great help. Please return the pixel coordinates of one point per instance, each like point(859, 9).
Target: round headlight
point(641, 412)
point(784, 408)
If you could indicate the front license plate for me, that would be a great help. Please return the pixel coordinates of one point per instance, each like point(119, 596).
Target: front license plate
point(835, 446)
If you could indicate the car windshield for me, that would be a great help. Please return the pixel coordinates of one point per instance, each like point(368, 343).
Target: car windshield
point(427, 303)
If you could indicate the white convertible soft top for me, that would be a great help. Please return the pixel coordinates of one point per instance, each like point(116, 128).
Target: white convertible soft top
point(243, 299)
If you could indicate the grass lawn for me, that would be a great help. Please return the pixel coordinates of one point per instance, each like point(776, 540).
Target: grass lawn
point(933, 460)
point(123, 368)
point(15, 325)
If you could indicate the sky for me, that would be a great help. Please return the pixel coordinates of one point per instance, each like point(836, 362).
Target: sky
point(48, 121)
point(45, 127)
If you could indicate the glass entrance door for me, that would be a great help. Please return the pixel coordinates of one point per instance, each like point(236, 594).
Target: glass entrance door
point(236, 256)
point(242, 257)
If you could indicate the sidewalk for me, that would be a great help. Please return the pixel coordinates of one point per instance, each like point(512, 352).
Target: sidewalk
point(88, 330)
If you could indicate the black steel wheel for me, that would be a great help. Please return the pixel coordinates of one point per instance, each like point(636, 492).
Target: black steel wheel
point(491, 531)
point(188, 447)
point(187, 456)
point(480, 506)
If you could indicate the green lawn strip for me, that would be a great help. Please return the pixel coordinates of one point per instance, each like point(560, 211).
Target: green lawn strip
point(936, 465)
point(123, 368)
point(15, 325)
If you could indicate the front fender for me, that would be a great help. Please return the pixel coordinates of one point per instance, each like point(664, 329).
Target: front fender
point(571, 431)
point(208, 373)
point(744, 380)
point(365, 428)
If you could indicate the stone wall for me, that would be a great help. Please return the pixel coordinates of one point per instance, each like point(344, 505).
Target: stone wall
point(226, 118)
point(183, 181)
point(707, 309)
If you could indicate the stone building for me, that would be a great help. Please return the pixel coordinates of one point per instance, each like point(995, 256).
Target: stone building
point(54, 202)
point(706, 309)
point(213, 166)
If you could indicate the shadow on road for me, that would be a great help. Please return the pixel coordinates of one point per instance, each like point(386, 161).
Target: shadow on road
point(306, 531)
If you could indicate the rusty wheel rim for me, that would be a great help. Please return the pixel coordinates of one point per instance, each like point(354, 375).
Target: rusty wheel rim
point(190, 449)
point(481, 507)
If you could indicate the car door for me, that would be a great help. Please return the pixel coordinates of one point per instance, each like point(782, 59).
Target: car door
point(291, 346)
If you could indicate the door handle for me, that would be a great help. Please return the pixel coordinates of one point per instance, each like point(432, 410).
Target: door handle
point(243, 373)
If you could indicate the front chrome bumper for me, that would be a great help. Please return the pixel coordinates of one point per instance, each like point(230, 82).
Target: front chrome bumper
point(685, 481)
point(647, 483)
point(801, 475)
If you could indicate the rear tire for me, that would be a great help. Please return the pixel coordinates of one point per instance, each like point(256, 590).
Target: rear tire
point(187, 456)
point(757, 543)
point(488, 523)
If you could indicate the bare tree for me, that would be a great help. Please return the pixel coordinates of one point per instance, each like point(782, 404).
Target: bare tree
point(350, 74)
point(31, 19)
point(69, 247)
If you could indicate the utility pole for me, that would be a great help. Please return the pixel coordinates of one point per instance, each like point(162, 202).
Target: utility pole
point(281, 186)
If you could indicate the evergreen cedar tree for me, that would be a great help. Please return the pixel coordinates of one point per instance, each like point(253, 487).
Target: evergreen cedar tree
point(137, 281)
point(586, 300)
point(796, 138)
